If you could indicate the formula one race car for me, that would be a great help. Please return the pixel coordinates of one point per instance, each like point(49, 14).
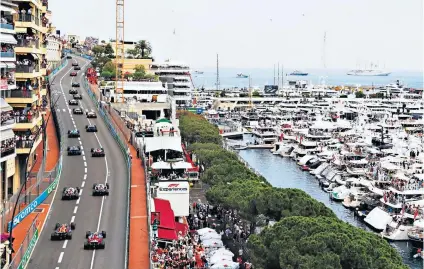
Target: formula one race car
point(70, 193)
point(78, 111)
point(73, 133)
point(77, 68)
point(77, 96)
point(63, 231)
point(69, 57)
point(91, 114)
point(91, 128)
point(73, 91)
point(95, 240)
point(75, 84)
point(73, 74)
point(99, 152)
point(100, 189)
point(74, 150)
point(74, 64)
point(73, 102)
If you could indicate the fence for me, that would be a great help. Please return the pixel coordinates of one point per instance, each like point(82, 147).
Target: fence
point(104, 112)
point(22, 255)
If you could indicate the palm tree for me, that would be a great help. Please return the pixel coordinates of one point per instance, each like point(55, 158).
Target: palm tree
point(144, 47)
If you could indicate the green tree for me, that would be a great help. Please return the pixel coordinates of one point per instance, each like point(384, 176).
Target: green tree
point(359, 94)
point(98, 50)
point(255, 93)
point(109, 49)
point(144, 49)
point(132, 53)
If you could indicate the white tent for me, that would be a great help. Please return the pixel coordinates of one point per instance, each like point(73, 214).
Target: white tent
point(209, 236)
point(219, 259)
point(204, 231)
point(161, 165)
point(226, 265)
point(212, 243)
point(222, 251)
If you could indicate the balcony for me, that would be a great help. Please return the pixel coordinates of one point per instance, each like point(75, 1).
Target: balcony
point(25, 143)
point(28, 21)
point(19, 96)
point(27, 122)
point(28, 46)
point(27, 71)
point(8, 56)
point(7, 26)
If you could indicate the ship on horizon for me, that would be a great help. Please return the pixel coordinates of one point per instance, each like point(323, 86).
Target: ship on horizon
point(373, 71)
point(198, 72)
point(298, 73)
point(241, 75)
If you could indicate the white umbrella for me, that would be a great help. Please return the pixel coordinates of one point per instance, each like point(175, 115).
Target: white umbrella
point(210, 236)
point(181, 165)
point(204, 231)
point(212, 243)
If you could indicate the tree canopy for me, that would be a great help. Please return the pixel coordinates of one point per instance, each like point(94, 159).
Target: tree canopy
point(307, 235)
point(321, 242)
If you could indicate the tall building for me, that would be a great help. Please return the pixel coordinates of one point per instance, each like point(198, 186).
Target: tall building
point(30, 24)
point(54, 45)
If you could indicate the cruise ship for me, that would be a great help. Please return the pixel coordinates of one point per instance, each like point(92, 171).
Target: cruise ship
point(368, 72)
point(177, 78)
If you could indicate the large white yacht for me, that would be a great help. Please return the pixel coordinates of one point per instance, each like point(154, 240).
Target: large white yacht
point(177, 77)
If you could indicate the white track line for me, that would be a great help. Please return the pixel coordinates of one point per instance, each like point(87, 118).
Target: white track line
point(65, 244)
point(75, 209)
point(83, 184)
point(73, 219)
point(60, 257)
point(78, 200)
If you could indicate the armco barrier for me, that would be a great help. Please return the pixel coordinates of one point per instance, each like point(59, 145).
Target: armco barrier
point(22, 255)
point(120, 139)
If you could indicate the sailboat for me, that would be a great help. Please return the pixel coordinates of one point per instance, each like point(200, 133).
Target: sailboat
point(372, 72)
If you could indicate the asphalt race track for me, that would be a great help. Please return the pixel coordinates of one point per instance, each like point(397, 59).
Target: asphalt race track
point(98, 213)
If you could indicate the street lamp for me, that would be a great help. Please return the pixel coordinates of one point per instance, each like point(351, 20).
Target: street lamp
point(43, 128)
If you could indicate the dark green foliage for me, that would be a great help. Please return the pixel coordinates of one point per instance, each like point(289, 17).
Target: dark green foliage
point(321, 242)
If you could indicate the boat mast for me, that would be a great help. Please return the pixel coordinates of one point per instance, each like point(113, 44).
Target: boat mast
point(217, 73)
point(250, 93)
point(278, 75)
point(274, 74)
point(282, 76)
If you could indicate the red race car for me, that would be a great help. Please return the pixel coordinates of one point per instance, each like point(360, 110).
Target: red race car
point(73, 74)
point(95, 240)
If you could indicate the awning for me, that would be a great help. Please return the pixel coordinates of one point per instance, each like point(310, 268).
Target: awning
point(35, 56)
point(181, 165)
point(4, 106)
point(7, 9)
point(167, 234)
point(158, 143)
point(6, 134)
point(8, 39)
point(167, 219)
point(161, 165)
point(7, 65)
point(181, 227)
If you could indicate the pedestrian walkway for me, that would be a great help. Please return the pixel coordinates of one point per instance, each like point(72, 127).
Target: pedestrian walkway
point(139, 256)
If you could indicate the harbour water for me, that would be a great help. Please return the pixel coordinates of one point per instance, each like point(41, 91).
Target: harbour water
point(285, 173)
point(261, 77)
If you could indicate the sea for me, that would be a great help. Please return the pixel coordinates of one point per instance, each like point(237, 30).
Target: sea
point(285, 173)
point(334, 77)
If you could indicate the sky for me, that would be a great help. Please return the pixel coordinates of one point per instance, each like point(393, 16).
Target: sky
point(259, 34)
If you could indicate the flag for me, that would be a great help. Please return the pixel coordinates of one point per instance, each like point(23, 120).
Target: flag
point(416, 213)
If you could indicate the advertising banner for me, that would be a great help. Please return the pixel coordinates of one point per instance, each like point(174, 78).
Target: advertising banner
point(28, 251)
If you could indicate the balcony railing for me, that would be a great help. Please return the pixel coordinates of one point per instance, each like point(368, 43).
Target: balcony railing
point(27, 43)
point(27, 68)
point(27, 118)
point(7, 54)
point(26, 18)
point(24, 144)
point(17, 94)
point(7, 26)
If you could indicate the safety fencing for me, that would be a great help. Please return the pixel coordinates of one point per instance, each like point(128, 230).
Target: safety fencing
point(104, 112)
point(22, 255)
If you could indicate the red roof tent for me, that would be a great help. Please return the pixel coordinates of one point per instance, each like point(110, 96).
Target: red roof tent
point(168, 228)
point(189, 160)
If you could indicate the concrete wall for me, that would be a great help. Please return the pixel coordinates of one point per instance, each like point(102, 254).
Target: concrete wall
point(130, 64)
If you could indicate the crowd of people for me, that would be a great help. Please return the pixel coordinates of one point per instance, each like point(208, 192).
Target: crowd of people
point(6, 20)
point(24, 116)
point(24, 141)
point(8, 146)
point(6, 48)
point(6, 116)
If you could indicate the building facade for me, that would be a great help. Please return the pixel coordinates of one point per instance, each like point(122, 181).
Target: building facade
point(26, 96)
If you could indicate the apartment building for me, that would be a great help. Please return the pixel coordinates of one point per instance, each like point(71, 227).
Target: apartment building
point(25, 77)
